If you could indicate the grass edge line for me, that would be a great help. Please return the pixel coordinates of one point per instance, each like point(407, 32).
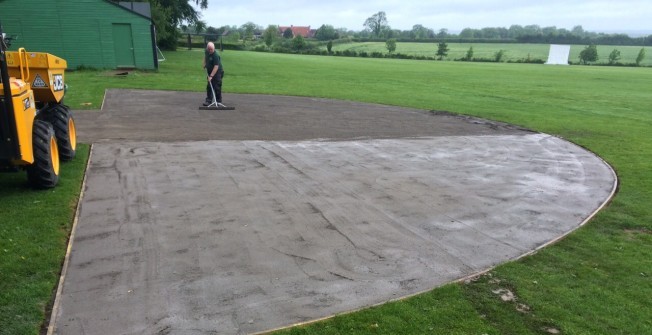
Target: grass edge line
point(57, 297)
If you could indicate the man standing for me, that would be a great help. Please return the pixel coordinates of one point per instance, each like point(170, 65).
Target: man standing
point(213, 65)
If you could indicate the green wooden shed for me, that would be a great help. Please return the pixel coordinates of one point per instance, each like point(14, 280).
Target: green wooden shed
point(86, 33)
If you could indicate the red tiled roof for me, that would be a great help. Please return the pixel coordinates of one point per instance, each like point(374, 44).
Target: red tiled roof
point(297, 30)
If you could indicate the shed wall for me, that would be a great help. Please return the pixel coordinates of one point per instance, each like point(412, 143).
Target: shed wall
point(79, 31)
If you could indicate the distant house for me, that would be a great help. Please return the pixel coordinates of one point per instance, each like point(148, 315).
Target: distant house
point(305, 32)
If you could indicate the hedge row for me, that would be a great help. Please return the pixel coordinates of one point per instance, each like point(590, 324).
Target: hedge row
point(376, 54)
point(201, 45)
point(437, 40)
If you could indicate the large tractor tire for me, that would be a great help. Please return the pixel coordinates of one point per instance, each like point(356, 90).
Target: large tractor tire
point(44, 172)
point(64, 129)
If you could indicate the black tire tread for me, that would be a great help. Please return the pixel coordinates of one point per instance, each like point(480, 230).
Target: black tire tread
point(41, 173)
point(58, 116)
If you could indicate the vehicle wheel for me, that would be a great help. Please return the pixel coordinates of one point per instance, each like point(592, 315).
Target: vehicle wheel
point(64, 129)
point(44, 172)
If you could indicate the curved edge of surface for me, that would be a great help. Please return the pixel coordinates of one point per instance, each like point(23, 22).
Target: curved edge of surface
point(591, 215)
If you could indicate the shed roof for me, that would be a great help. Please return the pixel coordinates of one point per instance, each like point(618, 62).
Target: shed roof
point(141, 8)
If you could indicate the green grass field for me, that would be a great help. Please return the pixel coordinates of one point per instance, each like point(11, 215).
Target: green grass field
point(34, 234)
point(598, 280)
point(513, 52)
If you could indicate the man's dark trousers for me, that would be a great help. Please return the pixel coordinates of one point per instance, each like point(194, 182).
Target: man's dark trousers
point(217, 86)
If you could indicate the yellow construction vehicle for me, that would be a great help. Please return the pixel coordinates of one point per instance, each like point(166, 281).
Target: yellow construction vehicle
point(37, 130)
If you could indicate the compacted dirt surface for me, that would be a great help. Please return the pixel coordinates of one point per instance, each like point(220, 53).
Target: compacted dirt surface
point(289, 209)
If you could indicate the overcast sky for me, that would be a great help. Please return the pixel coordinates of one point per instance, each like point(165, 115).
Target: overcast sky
point(598, 16)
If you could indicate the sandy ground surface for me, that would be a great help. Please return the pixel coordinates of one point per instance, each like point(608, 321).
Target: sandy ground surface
point(290, 209)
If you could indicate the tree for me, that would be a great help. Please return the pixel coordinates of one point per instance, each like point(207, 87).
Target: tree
point(298, 43)
point(388, 32)
point(589, 54)
point(498, 57)
point(467, 33)
point(421, 32)
point(490, 32)
point(288, 33)
point(614, 56)
point(376, 23)
point(166, 34)
point(233, 37)
point(329, 46)
point(269, 35)
point(533, 29)
point(549, 31)
point(578, 31)
point(469, 54)
point(167, 15)
point(640, 57)
point(391, 45)
point(443, 32)
point(515, 31)
point(214, 31)
point(326, 32)
point(199, 26)
point(343, 32)
point(248, 30)
point(442, 50)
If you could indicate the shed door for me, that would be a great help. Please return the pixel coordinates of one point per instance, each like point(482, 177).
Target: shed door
point(124, 45)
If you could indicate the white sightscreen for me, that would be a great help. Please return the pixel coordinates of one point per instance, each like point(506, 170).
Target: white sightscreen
point(558, 54)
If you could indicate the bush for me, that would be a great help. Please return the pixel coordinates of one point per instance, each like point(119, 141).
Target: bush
point(390, 44)
point(476, 59)
point(614, 57)
point(259, 48)
point(528, 60)
point(498, 57)
point(589, 54)
point(640, 57)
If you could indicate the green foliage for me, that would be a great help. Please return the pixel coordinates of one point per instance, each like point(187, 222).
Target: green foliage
point(166, 34)
point(640, 57)
point(287, 34)
point(214, 31)
point(269, 35)
point(377, 23)
point(498, 56)
point(233, 37)
point(420, 32)
point(199, 26)
point(390, 44)
point(442, 50)
point(614, 56)
point(167, 15)
point(298, 43)
point(329, 46)
point(248, 29)
point(469, 54)
point(589, 54)
point(326, 32)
